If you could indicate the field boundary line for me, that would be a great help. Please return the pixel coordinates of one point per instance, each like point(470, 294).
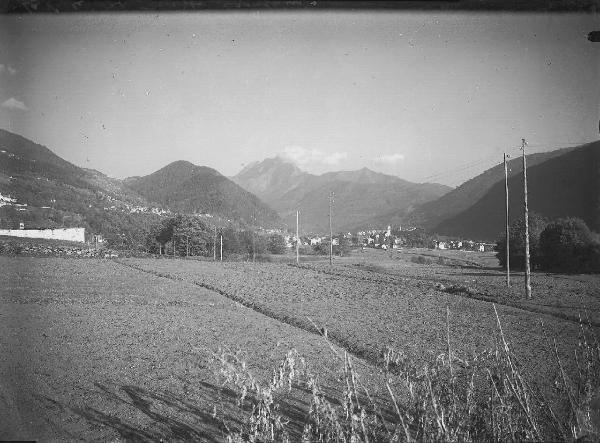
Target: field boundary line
point(358, 353)
point(474, 296)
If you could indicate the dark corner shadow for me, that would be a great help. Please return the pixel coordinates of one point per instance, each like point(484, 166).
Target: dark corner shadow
point(165, 415)
point(168, 416)
point(204, 412)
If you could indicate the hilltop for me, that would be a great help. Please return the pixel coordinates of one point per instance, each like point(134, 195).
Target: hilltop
point(184, 187)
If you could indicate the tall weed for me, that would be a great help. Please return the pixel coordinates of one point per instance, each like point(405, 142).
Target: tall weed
point(485, 397)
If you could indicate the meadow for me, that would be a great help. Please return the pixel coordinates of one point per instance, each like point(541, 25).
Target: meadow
point(148, 348)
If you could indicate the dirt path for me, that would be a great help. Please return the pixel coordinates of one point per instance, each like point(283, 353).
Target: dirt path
point(96, 351)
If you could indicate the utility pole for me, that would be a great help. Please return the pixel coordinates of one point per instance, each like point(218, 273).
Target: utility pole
point(297, 238)
point(187, 246)
point(221, 246)
point(331, 195)
point(507, 227)
point(254, 237)
point(527, 269)
point(215, 245)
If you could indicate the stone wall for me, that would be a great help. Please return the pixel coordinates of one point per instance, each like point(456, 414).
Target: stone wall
point(69, 234)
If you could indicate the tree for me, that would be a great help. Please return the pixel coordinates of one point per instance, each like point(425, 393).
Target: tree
point(231, 242)
point(568, 245)
point(251, 243)
point(321, 248)
point(165, 231)
point(417, 238)
point(276, 244)
point(192, 236)
point(517, 243)
point(343, 246)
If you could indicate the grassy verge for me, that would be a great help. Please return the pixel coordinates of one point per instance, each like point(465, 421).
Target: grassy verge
point(483, 398)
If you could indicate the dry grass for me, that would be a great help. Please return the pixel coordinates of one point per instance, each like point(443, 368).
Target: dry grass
point(484, 398)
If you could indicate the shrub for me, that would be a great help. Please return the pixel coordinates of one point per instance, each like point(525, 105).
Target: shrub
point(276, 244)
point(420, 259)
point(10, 248)
point(321, 248)
point(567, 245)
point(517, 243)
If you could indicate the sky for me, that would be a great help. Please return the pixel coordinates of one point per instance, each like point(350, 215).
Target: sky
point(427, 96)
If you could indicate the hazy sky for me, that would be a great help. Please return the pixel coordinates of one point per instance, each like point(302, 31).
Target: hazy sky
point(426, 96)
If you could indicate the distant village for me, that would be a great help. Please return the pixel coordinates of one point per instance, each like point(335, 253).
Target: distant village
point(374, 238)
point(384, 239)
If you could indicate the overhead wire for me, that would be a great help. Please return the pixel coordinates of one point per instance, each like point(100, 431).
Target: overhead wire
point(487, 162)
point(490, 159)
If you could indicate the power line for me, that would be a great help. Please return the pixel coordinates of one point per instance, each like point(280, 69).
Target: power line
point(492, 159)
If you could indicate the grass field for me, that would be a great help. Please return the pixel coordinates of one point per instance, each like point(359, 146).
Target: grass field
point(104, 349)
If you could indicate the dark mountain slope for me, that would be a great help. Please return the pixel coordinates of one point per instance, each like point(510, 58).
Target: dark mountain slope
point(22, 157)
point(33, 174)
point(431, 214)
point(59, 194)
point(564, 185)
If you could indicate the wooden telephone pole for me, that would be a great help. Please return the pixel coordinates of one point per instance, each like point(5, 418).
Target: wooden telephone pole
point(253, 236)
point(297, 238)
point(215, 245)
point(221, 246)
point(527, 269)
point(331, 194)
point(507, 222)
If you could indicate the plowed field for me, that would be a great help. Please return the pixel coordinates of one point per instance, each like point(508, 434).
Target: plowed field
point(103, 349)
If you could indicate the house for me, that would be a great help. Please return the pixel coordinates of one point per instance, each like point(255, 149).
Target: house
point(6, 200)
point(441, 245)
point(97, 239)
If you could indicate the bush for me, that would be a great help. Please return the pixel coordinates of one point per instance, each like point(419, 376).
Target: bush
point(420, 259)
point(10, 248)
point(517, 243)
point(321, 248)
point(276, 244)
point(567, 245)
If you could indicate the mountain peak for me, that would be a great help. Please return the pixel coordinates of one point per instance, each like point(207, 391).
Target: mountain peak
point(275, 174)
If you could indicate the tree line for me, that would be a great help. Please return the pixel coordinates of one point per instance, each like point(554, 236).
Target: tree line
point(186, 235)
point(564, 245)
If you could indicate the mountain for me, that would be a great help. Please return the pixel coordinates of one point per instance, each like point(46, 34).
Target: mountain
point(42, 190)
point(431, 214)
point(271, 178)
point(184, 187)
point(51, 192)
point(359, 195)
point(33, 174)
point(564, 183)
